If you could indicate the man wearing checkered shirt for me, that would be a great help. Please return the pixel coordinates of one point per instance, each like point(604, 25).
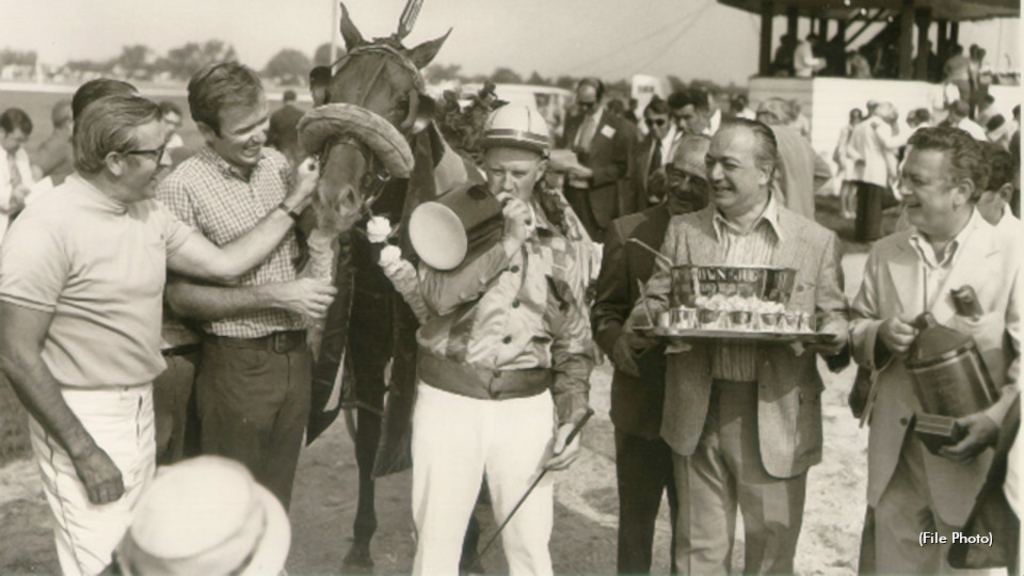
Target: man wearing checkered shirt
point(253, 379)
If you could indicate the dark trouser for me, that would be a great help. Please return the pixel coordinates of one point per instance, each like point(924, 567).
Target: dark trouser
point(174, 404)
point(253, 404)
point(579, 199)
point(725, 472)
point(644, 470)
point(868, 227)
point(866, 563)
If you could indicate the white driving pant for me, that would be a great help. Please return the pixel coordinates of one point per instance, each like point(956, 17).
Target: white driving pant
point(457, 440)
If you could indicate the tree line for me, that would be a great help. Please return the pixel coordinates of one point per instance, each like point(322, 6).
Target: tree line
point(290, 66)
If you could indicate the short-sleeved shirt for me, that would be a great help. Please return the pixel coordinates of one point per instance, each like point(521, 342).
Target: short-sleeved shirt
point(215, 198)
point(99, 266)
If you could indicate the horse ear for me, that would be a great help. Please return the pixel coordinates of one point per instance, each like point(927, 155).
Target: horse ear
point(424, 53)
point(349, 32)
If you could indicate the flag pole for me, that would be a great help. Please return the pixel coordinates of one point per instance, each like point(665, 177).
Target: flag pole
point(335, 26)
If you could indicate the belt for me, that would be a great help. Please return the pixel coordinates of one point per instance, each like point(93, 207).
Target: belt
point(277, 342)
point(466, 380)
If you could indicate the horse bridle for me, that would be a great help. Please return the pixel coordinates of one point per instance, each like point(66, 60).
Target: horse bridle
point(374, 180)
point(376, 176)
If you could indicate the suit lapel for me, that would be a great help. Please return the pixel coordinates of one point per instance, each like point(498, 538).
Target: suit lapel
point(906, 272)
point(648, 158)
point(789, 251)
point(703, 249)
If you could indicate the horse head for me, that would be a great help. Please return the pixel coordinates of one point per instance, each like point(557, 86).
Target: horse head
point(375, 95)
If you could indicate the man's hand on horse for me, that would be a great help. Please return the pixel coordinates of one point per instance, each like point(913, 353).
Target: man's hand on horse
point(563, 456)
point(305, 177)
point(308, 297)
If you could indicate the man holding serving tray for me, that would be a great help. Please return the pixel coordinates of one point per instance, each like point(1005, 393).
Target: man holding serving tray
point(743, 394)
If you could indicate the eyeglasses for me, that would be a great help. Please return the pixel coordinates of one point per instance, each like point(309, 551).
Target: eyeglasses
point(157, 152)
point(586, 105)
point(684, 178)
point(651, 123)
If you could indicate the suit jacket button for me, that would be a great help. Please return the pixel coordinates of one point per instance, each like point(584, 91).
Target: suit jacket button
point(506, 339)
point(903, 422)
point(514, 269)
point(496, 373)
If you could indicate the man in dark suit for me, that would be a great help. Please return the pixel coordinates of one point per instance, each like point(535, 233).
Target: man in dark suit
point(744, 420)
point(598, 191)
point(283, 134)
point(643, 460)
point(653, 154)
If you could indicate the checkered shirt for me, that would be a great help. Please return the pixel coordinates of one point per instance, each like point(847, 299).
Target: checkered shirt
point(213, 197)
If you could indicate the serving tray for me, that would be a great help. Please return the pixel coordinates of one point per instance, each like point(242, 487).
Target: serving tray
point(732, 335)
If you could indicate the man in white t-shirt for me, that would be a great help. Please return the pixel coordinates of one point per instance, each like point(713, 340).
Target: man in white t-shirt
point(82, 275)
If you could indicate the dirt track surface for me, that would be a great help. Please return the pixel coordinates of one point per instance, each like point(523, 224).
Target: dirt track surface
point(586, 505)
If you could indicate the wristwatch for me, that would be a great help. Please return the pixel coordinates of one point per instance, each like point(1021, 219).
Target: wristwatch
point(290, 211)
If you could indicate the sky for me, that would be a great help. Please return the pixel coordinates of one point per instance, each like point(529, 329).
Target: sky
point(608, 38)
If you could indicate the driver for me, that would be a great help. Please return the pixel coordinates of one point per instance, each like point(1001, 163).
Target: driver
point(504, 360)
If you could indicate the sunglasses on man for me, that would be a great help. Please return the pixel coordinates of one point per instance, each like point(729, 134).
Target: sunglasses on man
point(684, 178)
point(652, 122)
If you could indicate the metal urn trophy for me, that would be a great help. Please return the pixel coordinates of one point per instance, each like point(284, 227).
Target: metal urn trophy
point(950, 380)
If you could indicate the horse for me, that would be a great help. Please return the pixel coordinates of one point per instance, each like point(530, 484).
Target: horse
point(375, 95)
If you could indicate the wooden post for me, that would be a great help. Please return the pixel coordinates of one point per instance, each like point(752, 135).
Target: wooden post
point(954, 33)
point(924, 22)
point(837, 48)
point(793, 21)
point(765, 57)
point(942, 46)
point(906, 39)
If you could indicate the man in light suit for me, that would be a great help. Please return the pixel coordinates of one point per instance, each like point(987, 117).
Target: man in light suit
point(950, 245)
point(744, 420)
point(643, 461)
point(653, 154)
point(873, 147)
point(598, 190)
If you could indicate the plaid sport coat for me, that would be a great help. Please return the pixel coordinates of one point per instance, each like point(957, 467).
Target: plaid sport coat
point(789, 385)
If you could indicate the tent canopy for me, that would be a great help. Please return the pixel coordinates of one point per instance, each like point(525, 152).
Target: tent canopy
point(951, 10)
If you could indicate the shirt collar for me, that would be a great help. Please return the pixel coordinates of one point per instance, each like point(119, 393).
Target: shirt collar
point(924, 248)
point(768, 217)
point(670, 137)
point(209, 156)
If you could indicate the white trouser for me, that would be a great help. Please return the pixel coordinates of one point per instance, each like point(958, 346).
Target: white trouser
point(120, 420)
point(456, 440)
